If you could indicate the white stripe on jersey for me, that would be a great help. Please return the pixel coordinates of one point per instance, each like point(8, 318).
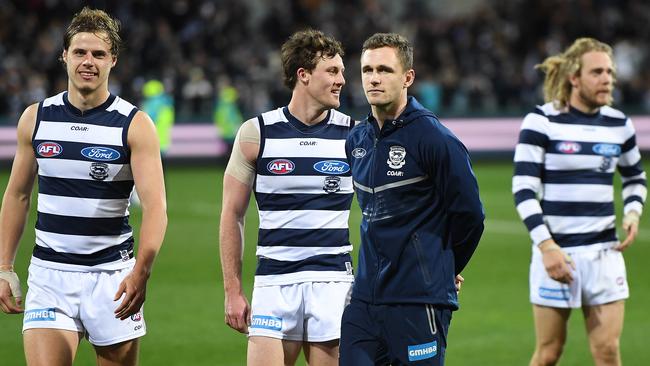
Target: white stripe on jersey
point(635, 190)
point(520, 182)
point(63, 131)
point(298, 184)
point(529, 153)
point(288, 253)
point(539, 234)
point(528, 208)
point(630, 158)
point(587, 133)
point(78, 244)
point(577, 162)
point(579, 224)
point(82, 207)
point(77, 169)
point(304, 219)
point(287, 147)
point(121, 106)
point(578, 192)
point(304, 276)
point(54, 100)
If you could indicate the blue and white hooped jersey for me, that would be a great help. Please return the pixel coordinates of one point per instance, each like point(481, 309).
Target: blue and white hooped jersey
point(303, 189)
point(84, 184)
point(564, 172)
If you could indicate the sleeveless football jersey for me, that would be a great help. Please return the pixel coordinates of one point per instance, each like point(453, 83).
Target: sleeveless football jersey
point(84, 184)
point(303, 190)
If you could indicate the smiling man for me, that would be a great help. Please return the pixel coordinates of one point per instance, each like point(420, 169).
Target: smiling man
point(88, 148)
point(422, 218)
point(568, 152)
point(293, 158)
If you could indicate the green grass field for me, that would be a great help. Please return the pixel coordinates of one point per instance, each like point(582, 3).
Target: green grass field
point(184, 308)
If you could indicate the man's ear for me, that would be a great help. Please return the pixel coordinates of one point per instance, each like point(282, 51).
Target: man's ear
point(303, 75)
point(410, 78)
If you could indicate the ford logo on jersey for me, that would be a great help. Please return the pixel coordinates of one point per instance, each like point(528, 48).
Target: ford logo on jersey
point(100, 153)
point(49, 149)
point(607, 149)
point(568, 147)
point(332, 167)
point(280, 166)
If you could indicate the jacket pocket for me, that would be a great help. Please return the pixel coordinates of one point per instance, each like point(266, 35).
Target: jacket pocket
point(422, 263)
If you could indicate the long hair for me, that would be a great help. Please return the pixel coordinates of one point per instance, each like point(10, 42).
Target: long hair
point(558, 69)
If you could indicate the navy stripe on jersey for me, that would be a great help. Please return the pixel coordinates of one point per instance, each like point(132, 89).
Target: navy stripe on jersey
point(324, 262)
point(305, 166)
point(631, 171)
point(577, 177)
point(523, 195)
point(532, 138)
point(578, 118)
point(304, 237)
point(574, 240)
point(562, 208)
point(71, 225)
point(282, 202)
point(527, 168)
point(533, 221)
point(585, 148)
point(112, 254)
point(635, 181)
point(629, 144)
point(72, 151)
point(84, 188)
point(633, 199)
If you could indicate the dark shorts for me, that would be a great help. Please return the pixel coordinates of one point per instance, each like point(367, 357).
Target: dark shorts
point(401, 334)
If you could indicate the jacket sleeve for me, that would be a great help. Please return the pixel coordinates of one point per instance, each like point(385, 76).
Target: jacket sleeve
point(465, 214)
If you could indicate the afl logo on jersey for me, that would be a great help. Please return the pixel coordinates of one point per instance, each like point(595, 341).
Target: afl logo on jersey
point(49, 149)
point(332, 167)
point(100, 153)
point(280, 166)
point(607, 149)
point(568, 147)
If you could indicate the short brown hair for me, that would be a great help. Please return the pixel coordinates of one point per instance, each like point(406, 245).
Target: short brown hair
point(393, 40)
point(303, 50)
point(558, 69)
point(95, 21)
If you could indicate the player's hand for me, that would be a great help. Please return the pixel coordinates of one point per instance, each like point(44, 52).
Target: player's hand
point(458, 282)
point(10, 287)
point(238, 315)
point(631, 227)
point(557, 263)
point(134, 289)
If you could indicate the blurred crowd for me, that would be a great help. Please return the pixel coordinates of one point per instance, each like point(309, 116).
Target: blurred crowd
point(472, 57)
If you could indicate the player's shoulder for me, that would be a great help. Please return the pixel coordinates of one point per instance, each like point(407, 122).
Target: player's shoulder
point(611, 112)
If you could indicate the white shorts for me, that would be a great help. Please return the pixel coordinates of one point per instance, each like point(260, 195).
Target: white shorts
point(307, 311)
point(599, 278)
point(80, 302)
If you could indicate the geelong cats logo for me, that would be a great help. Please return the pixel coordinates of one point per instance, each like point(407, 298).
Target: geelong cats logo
point(396, 157)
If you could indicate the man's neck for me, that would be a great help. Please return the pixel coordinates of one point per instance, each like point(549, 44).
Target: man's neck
point(306, 110)
point(388, 112)
point(87, 101)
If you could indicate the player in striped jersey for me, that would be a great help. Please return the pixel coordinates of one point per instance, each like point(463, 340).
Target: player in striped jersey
point(293, 159)
point(88, 148)
point(565, 162)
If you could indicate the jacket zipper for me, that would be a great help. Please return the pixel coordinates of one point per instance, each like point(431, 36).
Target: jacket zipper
point(370, 224)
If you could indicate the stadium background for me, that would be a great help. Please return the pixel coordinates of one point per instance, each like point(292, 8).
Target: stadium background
point(473, 60)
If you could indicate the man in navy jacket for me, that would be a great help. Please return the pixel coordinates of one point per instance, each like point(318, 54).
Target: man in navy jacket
point(422, 218)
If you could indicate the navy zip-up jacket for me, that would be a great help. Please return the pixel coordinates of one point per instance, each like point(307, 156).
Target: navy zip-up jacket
point(422, 216)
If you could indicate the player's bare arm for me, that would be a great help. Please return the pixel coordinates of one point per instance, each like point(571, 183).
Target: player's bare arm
point(237, 187)
point(15, 207)
point(147, 171)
